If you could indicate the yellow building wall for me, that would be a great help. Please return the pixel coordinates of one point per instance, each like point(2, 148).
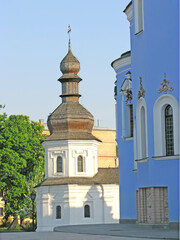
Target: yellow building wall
point(107, 148)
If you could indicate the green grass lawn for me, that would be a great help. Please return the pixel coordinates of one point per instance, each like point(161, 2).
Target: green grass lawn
point(17, 229)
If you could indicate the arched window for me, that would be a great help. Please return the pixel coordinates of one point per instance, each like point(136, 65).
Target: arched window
point(166, 126)
point(80, 164)
point(142, 136)
point(87, 211)
point(169, 136)
point(143, 133)
point(59, 164)
point(58, 212)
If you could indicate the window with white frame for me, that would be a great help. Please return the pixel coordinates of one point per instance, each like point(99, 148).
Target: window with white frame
point(129, 115)
point(59, 164)
point(58, 212)
point(80, 163)
point(87, 211)
point(166, 126)
point(139, 16)
point(141, 120)
point(143, 132)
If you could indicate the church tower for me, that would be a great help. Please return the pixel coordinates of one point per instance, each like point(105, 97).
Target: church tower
point(74, 191)
point(71, 149)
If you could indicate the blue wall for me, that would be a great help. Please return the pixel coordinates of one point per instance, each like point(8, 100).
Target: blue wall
point(154, 52)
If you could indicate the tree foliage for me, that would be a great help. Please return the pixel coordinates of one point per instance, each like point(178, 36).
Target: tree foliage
point(21, 162)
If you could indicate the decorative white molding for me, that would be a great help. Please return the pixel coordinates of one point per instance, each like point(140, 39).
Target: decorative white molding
point(121, 62)
point(129, 12)
point(166, 157)
point(128, 138)
point(69, 150)
point(128, 69)
point(127, 84)
point(159, 124)
point(142, 160)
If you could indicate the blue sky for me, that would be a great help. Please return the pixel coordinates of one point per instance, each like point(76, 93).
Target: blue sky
point(34, 40)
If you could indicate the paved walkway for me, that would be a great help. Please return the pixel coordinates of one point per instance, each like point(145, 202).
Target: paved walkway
point(62, 236)
point(96, 232)
point(122, 230)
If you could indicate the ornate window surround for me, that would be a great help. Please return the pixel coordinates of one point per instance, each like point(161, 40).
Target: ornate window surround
point(159, 126)
point(88, 202)
point(84, 154)
point(53, 156)
point(141, 103)
point(127, 85)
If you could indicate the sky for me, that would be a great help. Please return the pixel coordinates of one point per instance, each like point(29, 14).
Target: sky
point(34, 40)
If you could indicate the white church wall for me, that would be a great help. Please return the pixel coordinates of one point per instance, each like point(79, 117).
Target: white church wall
point(69, 151)
point(103, 201)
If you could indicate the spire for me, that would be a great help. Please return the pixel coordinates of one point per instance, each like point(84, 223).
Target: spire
point(70, 67)
point(70, 121)
point(69, 32)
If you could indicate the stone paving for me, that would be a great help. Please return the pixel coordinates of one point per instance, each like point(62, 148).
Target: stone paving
point(123, 230)
point(61, 236)
point(96, 232)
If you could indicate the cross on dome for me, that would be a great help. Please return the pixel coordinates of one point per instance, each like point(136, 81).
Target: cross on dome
point(69, 32)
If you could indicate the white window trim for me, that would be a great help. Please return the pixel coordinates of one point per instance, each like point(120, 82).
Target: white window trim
point(90, 203)
point(127, 84)
point(159, 124)
point(84, 164)
point(141, 103)
point(54, 212)
point(54, 156)
point(137, 30)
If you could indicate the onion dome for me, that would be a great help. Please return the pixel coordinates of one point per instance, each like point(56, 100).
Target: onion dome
point(70, 64)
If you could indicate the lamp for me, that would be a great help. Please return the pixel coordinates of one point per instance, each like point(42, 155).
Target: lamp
point(33, 197)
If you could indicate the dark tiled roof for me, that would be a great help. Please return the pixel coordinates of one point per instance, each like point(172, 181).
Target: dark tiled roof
point(70, 109)
point(70, 121)
point(71, 136)
point(104, 176)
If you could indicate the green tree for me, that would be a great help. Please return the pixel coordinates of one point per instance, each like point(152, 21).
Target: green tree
point(21, 162)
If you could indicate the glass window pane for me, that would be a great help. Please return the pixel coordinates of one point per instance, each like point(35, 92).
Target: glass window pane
point(169, 131)
point(58, 212)
point(87, 211)
point(80, 164)
point(59, 164)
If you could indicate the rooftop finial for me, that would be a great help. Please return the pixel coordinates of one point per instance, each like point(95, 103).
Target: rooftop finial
point(69, 32)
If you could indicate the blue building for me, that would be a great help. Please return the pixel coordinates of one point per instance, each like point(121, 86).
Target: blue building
point(147, 112)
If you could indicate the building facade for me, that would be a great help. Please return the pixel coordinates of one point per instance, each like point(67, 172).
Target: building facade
point(107, 149)
point(75, 190)
point(147, 108)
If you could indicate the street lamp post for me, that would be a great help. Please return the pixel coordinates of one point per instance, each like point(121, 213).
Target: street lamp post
point(33, 196)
